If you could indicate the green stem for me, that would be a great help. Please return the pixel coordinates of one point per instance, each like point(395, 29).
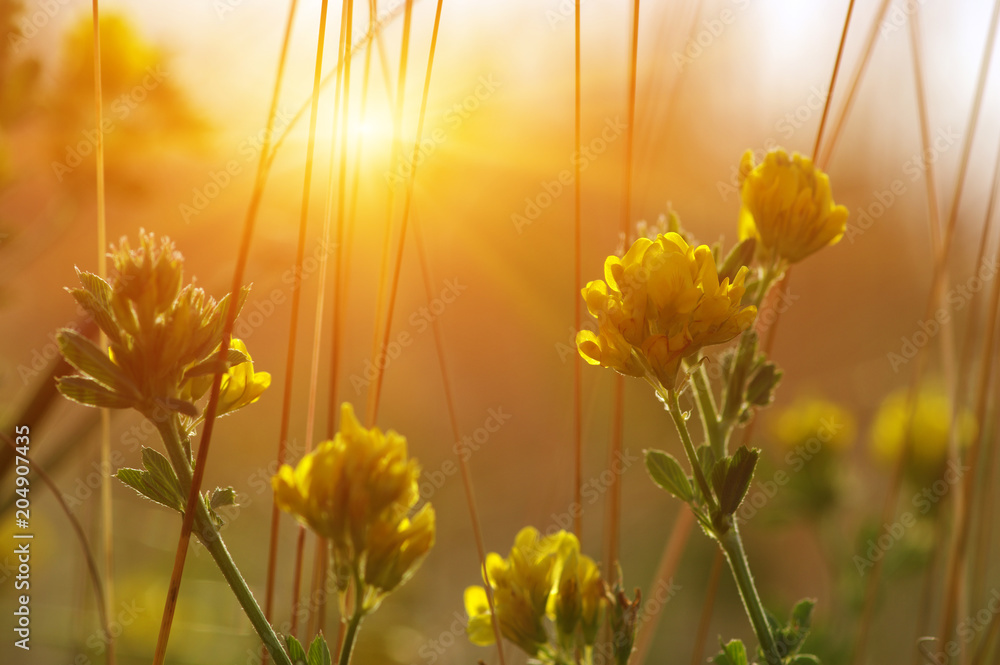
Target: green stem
point(351, 636)
point(708, 411)
point(670, 399)
point(732, 546)
point(175, 441)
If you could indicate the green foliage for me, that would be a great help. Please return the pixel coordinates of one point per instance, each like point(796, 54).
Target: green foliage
point(668, 474)
point(731, 478)
point(319, 652)
point(733, 653)
point(158, 482)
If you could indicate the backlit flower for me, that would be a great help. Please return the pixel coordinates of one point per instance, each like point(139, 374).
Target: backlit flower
point(660, 303)
point(788, 206)
point(162, 335)
point(357, 490)
point(241, 385)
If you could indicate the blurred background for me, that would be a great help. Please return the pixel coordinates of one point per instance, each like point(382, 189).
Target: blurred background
point(186, 91)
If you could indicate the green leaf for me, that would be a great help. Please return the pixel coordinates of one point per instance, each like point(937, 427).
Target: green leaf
point(760, 391)
point(211, 365)
point(668, 474)
point(157, 483)
point(180, 406)
point(740, 255)
point(295, 651)
point(218, 498)
point(85, 356)
point(802, 613)
point(101, 315)
point(795, 633)
point(319, 652)
point(223, 497)
point(706, 460)
point(97, 287)
point(731, 478)
point(85, 390)
point(733, 653)
point(804, 659)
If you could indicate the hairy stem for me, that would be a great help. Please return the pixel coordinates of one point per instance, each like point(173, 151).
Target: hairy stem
point(732, 546)
point(174, 441)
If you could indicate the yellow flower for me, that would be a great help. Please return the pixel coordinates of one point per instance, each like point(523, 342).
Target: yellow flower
point(788, 206)
point(240, 384)
point(579, 593)
point(521, 586)
point(542, 576)
point(396, 550)
point(660, 303)
point(810, 420)
point(929, 431)
point(347, 486)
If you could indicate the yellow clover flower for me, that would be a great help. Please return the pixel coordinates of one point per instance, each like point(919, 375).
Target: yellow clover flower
point(542, 576)
point(660, 303)
point(787, 205)
point(396, 550)
point(241, 385)
point(357, 490)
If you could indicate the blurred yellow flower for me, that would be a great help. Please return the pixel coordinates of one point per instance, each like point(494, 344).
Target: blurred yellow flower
point(929, 431)
point(660, 303)
point(788, 206)
point(809, 419)
point(357, 490)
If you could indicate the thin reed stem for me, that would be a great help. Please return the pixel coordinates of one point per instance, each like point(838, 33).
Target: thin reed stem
point(317, 614)
point(394, 159)
point(822, 158)
point(272, 550)
point(456, 432)
point(665, 570)
point(833, 79)
point(107, 513)
point(613, 529)
point(286, 405)
point(407, 201)
point(577, 285)
point(934, 297)
point(698, 649)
